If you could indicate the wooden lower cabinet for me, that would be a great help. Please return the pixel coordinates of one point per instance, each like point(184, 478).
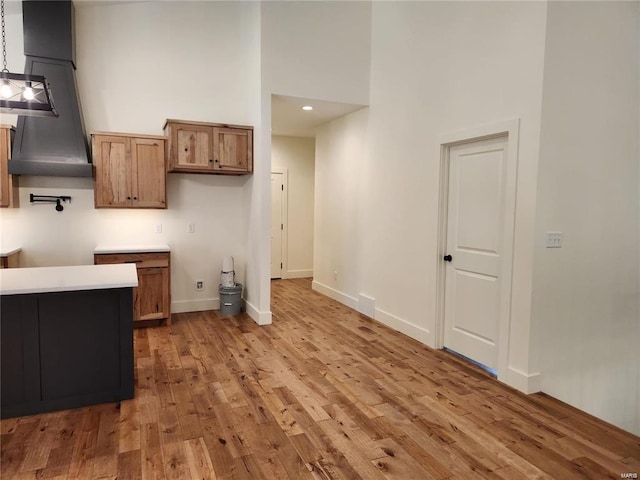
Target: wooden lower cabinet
point(152, 297)
point(9, 261)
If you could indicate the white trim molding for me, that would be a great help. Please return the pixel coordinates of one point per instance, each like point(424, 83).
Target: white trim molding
point(404, 326)
point(347, 300)
point(261, 318)
point(184, 306)
point(285, 220)
point(297, 274)
point(524, 382)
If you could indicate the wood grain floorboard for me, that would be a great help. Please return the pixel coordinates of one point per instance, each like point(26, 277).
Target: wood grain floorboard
point(322, 394)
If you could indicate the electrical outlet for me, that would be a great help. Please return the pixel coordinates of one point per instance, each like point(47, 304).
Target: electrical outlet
point(335, 275)
point(158, 228)
point(191, 228)
point(199, 285)
point(553, 240)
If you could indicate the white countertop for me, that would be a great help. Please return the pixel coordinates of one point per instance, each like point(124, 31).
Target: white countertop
point(6, 252)
point(161, 247)
point(14, 281)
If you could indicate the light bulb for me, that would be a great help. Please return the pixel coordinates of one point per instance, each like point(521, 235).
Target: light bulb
point(5, 91)
point(27, 93)
point(307, 107)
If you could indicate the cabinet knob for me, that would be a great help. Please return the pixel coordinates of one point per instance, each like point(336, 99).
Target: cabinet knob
point(135, 198)
point(216, 160)
point(210, 161)
point(128, 198)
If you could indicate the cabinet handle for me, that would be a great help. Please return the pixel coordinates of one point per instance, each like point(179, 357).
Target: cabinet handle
point(132, 261)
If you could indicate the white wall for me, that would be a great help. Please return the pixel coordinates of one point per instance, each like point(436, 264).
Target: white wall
point(138, 64)
point(337, 238)
point(317, 49)
point(585, 295)
point(436, 67)
point(296, 156)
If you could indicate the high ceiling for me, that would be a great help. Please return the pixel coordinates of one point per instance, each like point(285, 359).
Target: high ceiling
point(288, 118)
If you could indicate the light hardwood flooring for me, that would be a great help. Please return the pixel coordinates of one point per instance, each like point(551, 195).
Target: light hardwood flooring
point(323, 393)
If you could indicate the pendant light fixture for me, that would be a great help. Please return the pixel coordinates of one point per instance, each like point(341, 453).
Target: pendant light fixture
point(23, 94)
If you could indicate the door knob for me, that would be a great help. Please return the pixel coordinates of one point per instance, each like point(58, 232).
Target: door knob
point(447, 258)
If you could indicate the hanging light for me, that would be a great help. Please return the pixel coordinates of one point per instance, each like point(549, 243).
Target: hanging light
point(23, 94)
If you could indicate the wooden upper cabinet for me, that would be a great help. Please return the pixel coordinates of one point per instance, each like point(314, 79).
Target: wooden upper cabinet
point(130, 171)
point(8, 183)
point(191, 149)
point(233, 148)
point(198, 147)
point(149, 172)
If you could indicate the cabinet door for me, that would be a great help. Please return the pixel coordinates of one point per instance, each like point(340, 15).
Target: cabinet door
point(233, 149)
point(151, 298)
point(111, 159)
point(191, 149)
point(8, 183)
point(148, 173)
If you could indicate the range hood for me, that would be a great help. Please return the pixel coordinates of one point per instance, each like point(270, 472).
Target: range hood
point(47, 145)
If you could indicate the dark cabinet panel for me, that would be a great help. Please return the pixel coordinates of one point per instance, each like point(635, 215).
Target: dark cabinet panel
point(65, 350)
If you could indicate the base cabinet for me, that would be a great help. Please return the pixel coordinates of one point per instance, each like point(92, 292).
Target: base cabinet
point(65, 350)
point(152, 298)
point(10, 261)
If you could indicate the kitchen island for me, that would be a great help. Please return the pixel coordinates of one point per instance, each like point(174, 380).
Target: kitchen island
point(66, 337)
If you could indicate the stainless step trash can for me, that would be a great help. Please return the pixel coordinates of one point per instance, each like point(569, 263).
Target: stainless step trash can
point(230, 299)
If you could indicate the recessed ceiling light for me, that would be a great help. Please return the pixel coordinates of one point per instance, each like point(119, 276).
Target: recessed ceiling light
point(307, 107)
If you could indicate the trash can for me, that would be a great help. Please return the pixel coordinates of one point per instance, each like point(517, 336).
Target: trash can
point(230, 299)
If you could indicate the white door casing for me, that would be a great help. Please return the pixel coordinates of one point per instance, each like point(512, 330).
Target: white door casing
point(277, 224)
point(477, 216)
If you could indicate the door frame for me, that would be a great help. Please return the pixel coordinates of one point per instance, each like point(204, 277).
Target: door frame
point(285, 218)
point(510, 129)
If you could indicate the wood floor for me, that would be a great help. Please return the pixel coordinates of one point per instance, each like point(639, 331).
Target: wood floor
point(323, 393)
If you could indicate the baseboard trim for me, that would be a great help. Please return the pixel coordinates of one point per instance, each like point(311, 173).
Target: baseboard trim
point(297, 274)
point(404, 326)
point(183, 306)
point(524, 382)
point(343, 298)
point(261, 318)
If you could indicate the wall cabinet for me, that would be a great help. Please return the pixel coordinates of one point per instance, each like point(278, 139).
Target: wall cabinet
point(130, 170)
point(8, 183)
point(198, 147)
point(152, 297)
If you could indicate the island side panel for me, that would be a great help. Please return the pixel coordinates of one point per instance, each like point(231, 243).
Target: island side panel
point(81, 342)
point(126, 343)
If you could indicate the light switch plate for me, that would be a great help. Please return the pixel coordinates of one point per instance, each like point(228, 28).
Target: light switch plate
point(553, 240)
point(158, 228)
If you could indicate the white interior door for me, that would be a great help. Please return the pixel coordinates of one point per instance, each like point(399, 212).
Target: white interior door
point(276, 224)
point(475, 221)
